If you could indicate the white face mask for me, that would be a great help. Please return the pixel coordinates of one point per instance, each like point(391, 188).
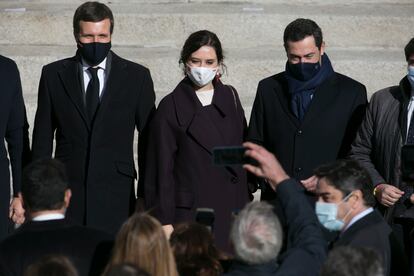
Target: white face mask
point(201, 76)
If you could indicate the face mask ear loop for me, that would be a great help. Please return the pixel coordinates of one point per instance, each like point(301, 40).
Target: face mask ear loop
point(350, 210)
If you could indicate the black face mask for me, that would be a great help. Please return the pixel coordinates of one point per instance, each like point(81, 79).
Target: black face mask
point(94, 52)
point(304, 71)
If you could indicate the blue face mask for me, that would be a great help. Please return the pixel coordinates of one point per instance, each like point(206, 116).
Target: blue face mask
point(410, 76)
point(327, 214)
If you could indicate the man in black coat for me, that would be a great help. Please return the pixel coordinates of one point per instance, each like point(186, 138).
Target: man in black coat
point(308, 114)
point(345, 204)
point(46, 196)
point(257, 235)
point(13, 130)
point(91, 104)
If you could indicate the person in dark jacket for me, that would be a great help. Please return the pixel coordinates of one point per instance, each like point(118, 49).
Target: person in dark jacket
point(90, 105)
point(46, 196)
point(386, 129)
point(307, 115)
point(346, 205)
point(256, 233)
point(14, 144)
point(200, 114)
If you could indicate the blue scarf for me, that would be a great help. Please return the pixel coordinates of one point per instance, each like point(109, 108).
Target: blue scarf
point(302, 91)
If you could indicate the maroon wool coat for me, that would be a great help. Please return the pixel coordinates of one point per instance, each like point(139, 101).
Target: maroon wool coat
point(179, 172)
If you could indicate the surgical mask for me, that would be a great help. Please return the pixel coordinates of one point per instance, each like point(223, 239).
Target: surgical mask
point(94, 52)
point(201, 76)
point(304, 71)
point(327, 214)
point(410, 76)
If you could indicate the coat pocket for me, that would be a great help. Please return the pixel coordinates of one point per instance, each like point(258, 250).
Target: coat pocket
point(127, 169)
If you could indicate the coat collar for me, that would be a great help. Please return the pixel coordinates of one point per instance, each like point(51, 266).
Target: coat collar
point(196, 119)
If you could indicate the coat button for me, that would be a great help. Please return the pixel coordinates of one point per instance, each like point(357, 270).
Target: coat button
point(299, 132)
point(234, 179)
point(298, 169)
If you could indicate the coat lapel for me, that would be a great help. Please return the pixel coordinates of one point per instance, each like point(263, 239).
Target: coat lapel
point(69, 76)
point(114, 83)
point(200, 126)
point(324, 95)
point(284, 99)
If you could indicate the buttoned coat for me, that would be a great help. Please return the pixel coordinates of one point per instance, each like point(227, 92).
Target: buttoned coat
point(99, 157)
point(326, 132)
point(180, 175)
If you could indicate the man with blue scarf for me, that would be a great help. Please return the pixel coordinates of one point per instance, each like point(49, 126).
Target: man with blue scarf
point(307, 115)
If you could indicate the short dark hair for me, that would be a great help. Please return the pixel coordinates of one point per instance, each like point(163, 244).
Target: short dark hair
point(197, 40)
point(91, 12)
point(300, 29)
point(409, 49)
point(44, 183)
point(348, 176)
point(352, 261)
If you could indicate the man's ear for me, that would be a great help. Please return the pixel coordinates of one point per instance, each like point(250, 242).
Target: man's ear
point(68, 195)
point(322, 50)
point(356, 198)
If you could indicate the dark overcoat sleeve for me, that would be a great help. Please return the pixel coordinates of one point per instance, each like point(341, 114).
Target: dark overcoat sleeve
point(307, 248)
point(44, 124)
point(16, 128)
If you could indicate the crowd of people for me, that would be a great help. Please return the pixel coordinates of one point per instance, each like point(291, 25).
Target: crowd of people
point(335, 172)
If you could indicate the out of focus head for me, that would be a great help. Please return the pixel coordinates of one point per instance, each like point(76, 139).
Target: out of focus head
point(45, 186)
point(194, 250)
point(52, 265)
point(256, 234)
point(142, 242)
point(352, 261)
point(125, 270)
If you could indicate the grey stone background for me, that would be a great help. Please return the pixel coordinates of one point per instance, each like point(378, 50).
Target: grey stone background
point(364, 39)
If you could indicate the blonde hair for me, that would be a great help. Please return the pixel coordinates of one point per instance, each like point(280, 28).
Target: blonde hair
point(142, 242)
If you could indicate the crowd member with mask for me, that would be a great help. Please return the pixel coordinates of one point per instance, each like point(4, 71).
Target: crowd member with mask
point(345, 204)
point(91, 104)
point(385, 131)
point(307, 115)
point(200, 114)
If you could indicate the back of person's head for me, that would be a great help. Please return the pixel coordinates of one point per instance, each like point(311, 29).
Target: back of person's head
point(44, 184)
point(142, 242)
point(352, 261)
point(92, 11)
point(409, 49)
point(194, 250)
point(125, 270)
point(348, 176)
point(301, 28)
point(256, 234)
point(52, 265)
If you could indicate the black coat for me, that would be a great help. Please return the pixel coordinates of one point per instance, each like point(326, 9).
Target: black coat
point(306, 250)
point(371, 231)
point(327, 130)
point(180, 176)
point(13, 130)
point(88, 249)
point(99, 158)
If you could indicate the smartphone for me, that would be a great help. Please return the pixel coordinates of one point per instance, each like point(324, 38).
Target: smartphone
point(223, 156)
point(205, 216)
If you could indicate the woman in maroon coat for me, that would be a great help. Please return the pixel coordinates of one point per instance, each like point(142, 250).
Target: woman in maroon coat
point(200, 114)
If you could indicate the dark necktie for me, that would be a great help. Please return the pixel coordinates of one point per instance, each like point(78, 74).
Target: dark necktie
point(92, 93)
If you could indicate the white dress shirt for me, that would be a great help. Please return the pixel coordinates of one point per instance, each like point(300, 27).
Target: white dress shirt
point(410, 110)
point(101, 75)
point(46, 217)
point(358, 217)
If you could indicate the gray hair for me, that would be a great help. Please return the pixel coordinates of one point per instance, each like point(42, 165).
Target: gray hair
point(256, 234)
